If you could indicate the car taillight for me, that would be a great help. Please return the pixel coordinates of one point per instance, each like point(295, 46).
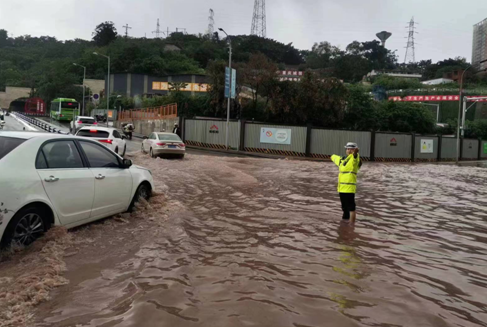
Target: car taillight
point(161, 144)
point(95, 123)
point(93, 130)
point(182, 145)
point(60, 115)
point(80, 122)
point(106, 141)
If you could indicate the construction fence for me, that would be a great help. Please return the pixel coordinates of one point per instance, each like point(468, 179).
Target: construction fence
point(309, 141)
point(162, 112)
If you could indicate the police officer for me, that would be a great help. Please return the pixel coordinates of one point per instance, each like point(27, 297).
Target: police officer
point(348, 166)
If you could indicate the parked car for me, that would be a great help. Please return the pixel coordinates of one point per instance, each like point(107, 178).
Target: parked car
point(53, 179)
point(109, 137)
point(80, 121)
point(159, 144)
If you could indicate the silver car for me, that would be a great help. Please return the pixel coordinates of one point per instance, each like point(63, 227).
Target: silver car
point(163, 144)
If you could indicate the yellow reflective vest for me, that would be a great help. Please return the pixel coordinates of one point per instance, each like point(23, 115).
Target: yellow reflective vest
point(347, 177)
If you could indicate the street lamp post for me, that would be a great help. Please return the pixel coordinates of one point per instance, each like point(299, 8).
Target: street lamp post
point(84, 87)
point(229, 85)
point(108, 82)
point(459, 113)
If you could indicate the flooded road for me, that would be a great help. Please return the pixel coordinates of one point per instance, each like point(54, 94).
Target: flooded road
point(259, 242)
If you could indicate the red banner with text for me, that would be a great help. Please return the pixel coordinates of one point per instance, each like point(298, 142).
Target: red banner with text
point(423, 98)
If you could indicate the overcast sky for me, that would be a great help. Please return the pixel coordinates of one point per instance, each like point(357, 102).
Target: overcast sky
point(444, 26)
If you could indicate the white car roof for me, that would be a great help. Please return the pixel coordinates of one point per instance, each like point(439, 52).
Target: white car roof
point(29, 135)
point(98, 128)
point(85, 117)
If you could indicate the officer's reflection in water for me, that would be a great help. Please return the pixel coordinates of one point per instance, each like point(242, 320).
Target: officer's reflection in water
point(348, 166)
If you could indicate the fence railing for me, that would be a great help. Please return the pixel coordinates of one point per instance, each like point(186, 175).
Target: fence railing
point(163, 112)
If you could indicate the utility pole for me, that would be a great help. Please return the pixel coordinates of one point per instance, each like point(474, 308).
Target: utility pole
point(158, 30)
point(259, 19)
point(211, 23)
point(127, 27)
point(229, 86)
point(410, 55)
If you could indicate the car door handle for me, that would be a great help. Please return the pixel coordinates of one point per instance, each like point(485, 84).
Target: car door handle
point(100, 176)
point(51, 179)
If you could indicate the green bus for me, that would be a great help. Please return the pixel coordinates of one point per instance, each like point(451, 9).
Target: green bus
point(64, 109)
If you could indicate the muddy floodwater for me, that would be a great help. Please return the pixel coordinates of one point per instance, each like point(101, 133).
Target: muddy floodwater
point(259, 242)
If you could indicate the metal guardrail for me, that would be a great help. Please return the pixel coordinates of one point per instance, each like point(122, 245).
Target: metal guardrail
point(40, 124)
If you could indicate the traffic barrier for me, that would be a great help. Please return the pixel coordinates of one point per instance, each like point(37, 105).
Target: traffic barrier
point(39, 123)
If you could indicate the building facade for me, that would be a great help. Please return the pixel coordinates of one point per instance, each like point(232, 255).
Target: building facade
point(479, 45)
point(138, 85)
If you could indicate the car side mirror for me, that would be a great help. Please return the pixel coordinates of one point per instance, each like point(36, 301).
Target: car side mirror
point(123, 137)
point(127, 163)
point(145, 137)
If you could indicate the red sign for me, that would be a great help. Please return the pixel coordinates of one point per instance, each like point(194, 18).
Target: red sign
point(425, 98)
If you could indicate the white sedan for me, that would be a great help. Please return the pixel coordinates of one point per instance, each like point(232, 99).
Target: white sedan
point(109, 137)
point(52, 179)
point(159, 144)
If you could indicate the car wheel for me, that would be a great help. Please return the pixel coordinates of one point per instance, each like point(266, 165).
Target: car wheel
point(26, 226)
point(143, 191)
point(124, 150)
point(152, 153)
point(181, 156)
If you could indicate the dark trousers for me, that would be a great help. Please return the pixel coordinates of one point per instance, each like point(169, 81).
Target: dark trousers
point(348, 204)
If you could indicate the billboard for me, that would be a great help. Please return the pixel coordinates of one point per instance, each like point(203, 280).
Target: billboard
point(275, 135)
point(165, 86)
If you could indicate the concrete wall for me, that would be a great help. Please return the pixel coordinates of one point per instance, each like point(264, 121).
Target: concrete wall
point(384, 149)
point(12, 93)
point(425, 156)
point(470, 149)
point(95, 85)
point(328, 142)
point(211, 132)
point(449, 148)
point(298, 138)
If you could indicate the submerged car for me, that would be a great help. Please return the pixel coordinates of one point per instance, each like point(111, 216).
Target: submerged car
point(52, 179)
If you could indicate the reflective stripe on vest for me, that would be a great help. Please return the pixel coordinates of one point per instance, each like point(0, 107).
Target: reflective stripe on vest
point(348, 172)
point(348, 183)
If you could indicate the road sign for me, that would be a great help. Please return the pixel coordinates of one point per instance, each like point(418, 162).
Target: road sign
point(227, 82)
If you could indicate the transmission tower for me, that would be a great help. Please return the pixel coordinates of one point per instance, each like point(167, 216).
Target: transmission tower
point(127, 27)
point(211, 23)
point(158, 30)
point(410, 55)
point(258, 20)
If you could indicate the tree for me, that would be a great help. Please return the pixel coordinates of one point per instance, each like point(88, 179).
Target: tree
point(3, 38)
point(104, 34)
point(361, 112)
point(405, 117)
point(259, 74)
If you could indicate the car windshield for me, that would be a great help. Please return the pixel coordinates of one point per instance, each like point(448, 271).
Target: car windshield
point(93, 133)
point(169, 137)
point(7, 144)
point(86, 120)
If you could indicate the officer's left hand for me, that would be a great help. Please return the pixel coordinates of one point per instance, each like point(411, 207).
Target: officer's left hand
point(355, 151)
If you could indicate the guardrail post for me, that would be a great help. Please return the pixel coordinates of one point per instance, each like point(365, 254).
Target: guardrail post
point(480, 150)
point(413, 144)
point(461, 148)
point(372, 146)
point(242, 135)
point(440, 143)
point(309, 129)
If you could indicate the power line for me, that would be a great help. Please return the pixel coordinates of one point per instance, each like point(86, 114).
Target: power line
point(259, 19)
point(127, 27)
point(158, 30)
point(410, 55)
point(211, 22)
